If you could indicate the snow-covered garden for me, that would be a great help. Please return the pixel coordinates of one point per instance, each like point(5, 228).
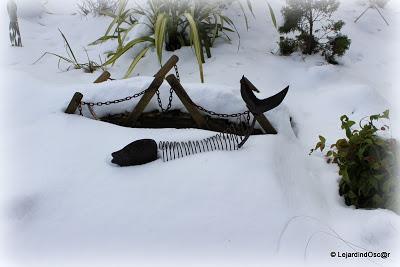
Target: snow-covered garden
point(271, 202)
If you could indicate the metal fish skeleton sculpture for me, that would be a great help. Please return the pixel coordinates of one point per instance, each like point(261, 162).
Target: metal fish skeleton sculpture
point(146, 150)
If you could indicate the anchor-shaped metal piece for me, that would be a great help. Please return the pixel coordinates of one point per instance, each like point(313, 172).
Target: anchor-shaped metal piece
point(258, 106)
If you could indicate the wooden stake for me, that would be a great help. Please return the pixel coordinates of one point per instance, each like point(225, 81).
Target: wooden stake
point(265, 124)
point(74, 103)
point(103, 77)
point(187, 102)
point(144, 101)
point(167, 66)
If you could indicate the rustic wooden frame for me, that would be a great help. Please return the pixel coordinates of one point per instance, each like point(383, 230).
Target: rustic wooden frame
point(175, 84)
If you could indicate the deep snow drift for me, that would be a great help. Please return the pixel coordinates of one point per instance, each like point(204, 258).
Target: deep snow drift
point(63, 201)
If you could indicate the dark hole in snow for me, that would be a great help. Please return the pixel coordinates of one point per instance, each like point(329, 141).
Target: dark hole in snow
point(176, 119)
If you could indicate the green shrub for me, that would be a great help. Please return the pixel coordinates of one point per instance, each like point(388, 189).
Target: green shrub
point(287, 46)
point(314, 29)
point(336, 46)
point(367, 164)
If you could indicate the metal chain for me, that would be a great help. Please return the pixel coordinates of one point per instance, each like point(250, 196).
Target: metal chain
point(212, 113)
point(171, 93)
point(177, 73)
point(116, 101)
point(223, 115)
point(248, 118)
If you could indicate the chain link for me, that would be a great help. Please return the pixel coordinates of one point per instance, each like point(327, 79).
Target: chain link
point(248, 118)
point(171, 95)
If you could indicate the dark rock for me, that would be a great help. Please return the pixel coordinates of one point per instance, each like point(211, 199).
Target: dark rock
point(138, 152)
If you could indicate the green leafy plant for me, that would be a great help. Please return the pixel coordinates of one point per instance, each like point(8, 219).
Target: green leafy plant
point(367, 164)
point(287, 46)
point(122, 23)
point(174, 24)
point(314, 29)
point(90, 66)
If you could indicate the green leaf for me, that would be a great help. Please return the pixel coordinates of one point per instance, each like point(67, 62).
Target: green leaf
point(127, 47)
point(114, 21)
point(272, 14)
point(159, 34)
point(106, 13)
point(228, 29)
point(250, 7)
point(102, 39)
point(135, 62)
point(387, 186)
point(345, 175)
point(195, 40)
point(126, 32)
point(244, 15)
point(118, 17)
point(56, 55)
point(230, 22)
point(344, 118)
point(360, 152)
point(352, 195)
point(377, 200)
point(385, 114)
point(68, 46)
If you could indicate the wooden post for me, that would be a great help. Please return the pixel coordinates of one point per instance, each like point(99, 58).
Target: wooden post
point(167, 66)
point(144, 101)
point(187, 102)
point(265, 124)
point(77, 98)
point(103, 77)
point(151, 90)
point(74, 103)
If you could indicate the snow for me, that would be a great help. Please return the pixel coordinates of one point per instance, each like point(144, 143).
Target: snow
point(64, 203)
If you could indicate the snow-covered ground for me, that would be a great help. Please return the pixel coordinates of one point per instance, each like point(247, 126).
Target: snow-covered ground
point(64, 203)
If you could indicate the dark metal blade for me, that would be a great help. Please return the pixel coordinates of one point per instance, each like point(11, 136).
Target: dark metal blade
point(259, 106)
